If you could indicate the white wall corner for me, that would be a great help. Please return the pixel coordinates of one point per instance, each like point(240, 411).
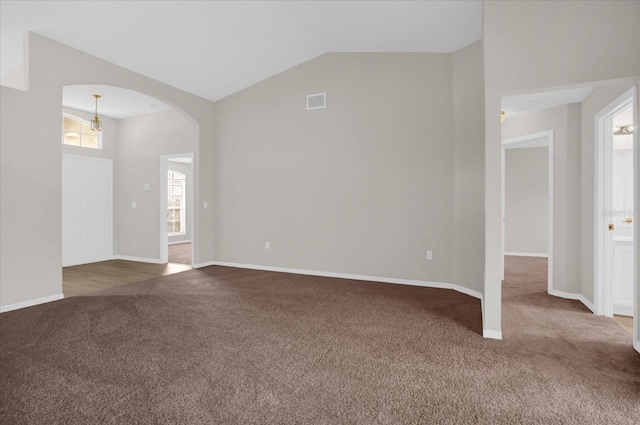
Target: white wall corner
point(490, 334)
point(29, 303)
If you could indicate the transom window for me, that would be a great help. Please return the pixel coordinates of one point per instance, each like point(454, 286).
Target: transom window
point(77, 132)
point(175, 216)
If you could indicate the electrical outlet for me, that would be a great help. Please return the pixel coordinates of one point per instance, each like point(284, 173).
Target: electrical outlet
point(134, 204)
point(266, 245)
point(429, 255)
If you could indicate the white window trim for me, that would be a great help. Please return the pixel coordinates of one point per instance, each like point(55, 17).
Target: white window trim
point(73, 117)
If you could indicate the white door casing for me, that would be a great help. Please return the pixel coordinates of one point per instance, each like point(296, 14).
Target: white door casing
point(543, 139)
point(190, 197)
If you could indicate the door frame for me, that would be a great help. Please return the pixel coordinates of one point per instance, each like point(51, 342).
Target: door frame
point(535, 140)
point(110, 189)
point(601, 297)
point(164, 237)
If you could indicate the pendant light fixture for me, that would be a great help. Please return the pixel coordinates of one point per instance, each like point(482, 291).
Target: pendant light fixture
point(96, 124)
point(623, 130)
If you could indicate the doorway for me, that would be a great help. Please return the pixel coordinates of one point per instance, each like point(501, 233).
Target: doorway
point(616, 215)
point(176, 208)
point(536, 247)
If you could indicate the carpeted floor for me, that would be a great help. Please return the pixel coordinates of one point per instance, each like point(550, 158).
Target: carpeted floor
point(180, 253)
point(231, 346)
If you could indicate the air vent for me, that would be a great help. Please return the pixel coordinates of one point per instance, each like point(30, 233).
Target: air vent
point(317, 101)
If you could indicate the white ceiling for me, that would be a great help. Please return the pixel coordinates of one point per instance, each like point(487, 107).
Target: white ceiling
point(116, 102)
point(214, 49)
point(527, 103)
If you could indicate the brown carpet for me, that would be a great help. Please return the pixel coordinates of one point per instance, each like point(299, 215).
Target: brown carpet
point(232, 346)
point(180, 253)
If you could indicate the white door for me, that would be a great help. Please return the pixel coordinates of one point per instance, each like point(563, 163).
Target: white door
point(622, 218)
point(87, 210)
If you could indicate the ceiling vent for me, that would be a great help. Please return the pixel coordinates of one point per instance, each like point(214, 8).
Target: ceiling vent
point(316, 101)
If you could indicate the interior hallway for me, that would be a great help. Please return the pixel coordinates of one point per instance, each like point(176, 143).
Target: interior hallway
point(528, 275)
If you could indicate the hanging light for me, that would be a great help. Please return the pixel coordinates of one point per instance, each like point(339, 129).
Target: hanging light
point(96, 124)
point(503, 116)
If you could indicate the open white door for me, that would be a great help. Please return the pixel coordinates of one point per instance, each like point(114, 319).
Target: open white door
point(616, 224)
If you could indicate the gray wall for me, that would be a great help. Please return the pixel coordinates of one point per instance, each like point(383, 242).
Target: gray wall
point(522, 55)
point(30, 229)
point(185, 169)
point(143, 140)
point(468, 167)
point(361, 187)
point(526, 200)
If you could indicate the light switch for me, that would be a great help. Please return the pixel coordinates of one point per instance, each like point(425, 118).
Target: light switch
point(206, 205)
point(133, 204)
point(146, 186)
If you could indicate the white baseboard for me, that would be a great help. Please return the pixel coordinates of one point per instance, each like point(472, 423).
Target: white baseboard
point(623, 310)
point(138, 259)
point(29, 303)
point(396, 281)
point(572, 296)
point(526, 254)
point(487, 333)
point(636, 346)
point(207, 264)
point(178, 242)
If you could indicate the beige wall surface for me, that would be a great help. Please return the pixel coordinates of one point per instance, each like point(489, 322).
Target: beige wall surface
point(526, 199)
point(361, 187)
point(468, 166)
point(143, 140)
point(185, 169)
point(30, 229)
point(533, 46)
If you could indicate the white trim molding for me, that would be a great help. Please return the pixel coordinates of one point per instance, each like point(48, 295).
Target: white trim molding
point(178, 242)
point(427, 284)
point(137, 259)
point(575, 297)
point(367, 278)
point(489, 334)
point(207, 264)
point(526, 254)
point(29, 303)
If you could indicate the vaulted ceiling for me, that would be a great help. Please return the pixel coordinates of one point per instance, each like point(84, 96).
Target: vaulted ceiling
point(213, 48)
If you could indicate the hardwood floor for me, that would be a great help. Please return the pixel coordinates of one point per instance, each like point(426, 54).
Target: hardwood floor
point(625, 321)
point(88, 278)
